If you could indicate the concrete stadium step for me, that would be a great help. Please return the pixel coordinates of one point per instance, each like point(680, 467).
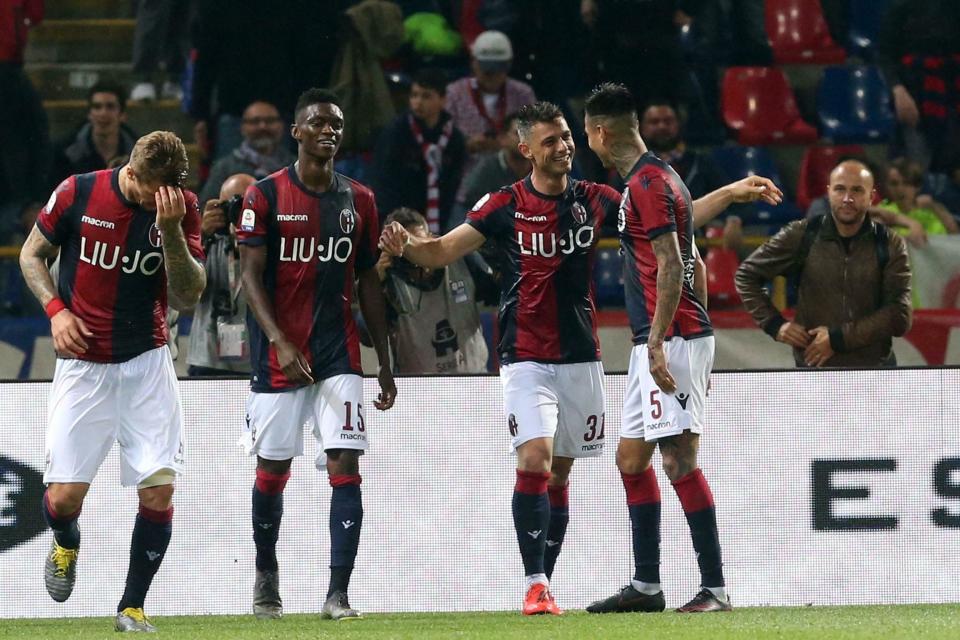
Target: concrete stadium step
point(90, 40)
point(66, 115)
point(70, 81)
point(72, 9)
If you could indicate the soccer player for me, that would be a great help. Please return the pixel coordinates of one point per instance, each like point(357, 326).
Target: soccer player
point(673, 353)
point(303, 232)
point(545, 228)
point(125, 236)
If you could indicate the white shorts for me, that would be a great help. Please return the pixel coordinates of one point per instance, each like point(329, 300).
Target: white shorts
point(560, 401)
point(648, 412)
point(135, 403)
point(332, 407)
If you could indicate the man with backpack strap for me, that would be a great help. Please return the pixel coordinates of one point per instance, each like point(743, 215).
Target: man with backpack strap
point(853, 280)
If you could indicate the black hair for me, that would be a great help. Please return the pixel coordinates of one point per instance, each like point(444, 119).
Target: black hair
point(611, 99)
point(109, 87)
point(407, 217)
point(434, 79)
point(315, 96)
point(659, 102)
point(530, 114)
point(510, 120)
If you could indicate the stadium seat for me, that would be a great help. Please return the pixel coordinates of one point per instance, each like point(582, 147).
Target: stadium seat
point(740, 162)
point(815, 170)
point(722, 266)
point(798, 33)
point(608, 278)
point(759, 105)
point(865, 17)
point(854, 105)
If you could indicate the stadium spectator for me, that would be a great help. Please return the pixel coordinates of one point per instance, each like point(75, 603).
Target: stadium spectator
point(104, 136)
point(853, 280)
point(24, 135)
point(419, 158)
point(260, 153)
point(660, 128)
point(945, 187)
point(218, 336)
point(432, 314)
point(479, 103)
point(919, 47)
point(663, 408)
point(116, 384)
point(160, 46)
point(302, 232)
point(904, 180)
point(491, 173)
point(547, 227)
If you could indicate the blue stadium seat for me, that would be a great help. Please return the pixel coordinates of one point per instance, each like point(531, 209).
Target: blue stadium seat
point(865, 17)
point(853, 105)
point(608, 278)
point(740, 162)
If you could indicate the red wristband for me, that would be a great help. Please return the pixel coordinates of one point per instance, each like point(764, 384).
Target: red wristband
point(54, 307)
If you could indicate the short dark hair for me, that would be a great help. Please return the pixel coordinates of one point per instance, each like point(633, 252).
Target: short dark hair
point(434, 79)
point(510, 120)
point(530, 114)
point(407, 217)
point(315, 96)
point(659, 102)
point(910, 171)
point(108, 87)
point(611, 99)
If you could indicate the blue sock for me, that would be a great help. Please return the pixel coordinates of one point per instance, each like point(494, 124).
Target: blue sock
point(267, 512)
point(643, 502)
point(66, 531)
point(346, 518)
point(697, 501)
point(531, 518)
point(559, 518)
point(151, 535)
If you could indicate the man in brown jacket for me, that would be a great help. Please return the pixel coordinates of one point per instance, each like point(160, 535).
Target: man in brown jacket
point(853, 284)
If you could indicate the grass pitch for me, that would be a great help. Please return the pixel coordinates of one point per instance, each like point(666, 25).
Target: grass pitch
point(815, 623)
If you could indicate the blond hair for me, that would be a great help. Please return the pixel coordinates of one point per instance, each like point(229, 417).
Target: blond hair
point(160, 157)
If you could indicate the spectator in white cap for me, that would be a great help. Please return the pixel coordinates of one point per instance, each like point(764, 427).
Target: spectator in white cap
point(479, 103)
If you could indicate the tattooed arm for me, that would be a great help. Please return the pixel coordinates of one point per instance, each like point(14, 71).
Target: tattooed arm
point(669, 285)
point(185, 276)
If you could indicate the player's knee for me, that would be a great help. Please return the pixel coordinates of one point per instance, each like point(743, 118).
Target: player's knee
point(64, 500)
point(343, 461)
point(157, 498)
point(535, 455)
point(560, 471)
point(277, 467)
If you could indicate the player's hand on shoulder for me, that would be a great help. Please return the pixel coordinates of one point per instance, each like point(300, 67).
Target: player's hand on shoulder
point(171, 207)
point(658, 368)
point(753, 188)
point(393, 239)
point(293, 363)
point(68, 333)
point(793, 334)
point(213, 218)
point(388, 389)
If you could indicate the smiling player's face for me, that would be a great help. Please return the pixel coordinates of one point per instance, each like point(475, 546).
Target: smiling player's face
point(319, 130)
point(550, 147)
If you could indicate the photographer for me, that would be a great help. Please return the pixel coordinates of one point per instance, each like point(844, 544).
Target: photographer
point(218, 338)
point(432, 313)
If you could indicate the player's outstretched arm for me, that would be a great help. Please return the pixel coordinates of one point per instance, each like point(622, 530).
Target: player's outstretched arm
point(699, 277)
point(373, 307)
point(749, 189)
point(185, 276)
point(430, 252)
point(253, 262)
point(669, 286)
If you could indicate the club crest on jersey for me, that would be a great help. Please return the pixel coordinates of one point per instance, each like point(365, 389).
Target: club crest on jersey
point(579, 213)
point(156, 240)
point(247, 219)
point(347, 221)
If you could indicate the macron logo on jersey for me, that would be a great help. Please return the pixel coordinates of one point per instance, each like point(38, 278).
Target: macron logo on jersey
point(519, 215)
point(291, 217)
point(103, 224)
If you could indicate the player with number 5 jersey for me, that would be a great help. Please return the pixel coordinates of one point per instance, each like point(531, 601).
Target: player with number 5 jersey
point(304, 232)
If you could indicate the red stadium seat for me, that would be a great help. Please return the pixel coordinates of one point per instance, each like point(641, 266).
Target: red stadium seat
point(798, 33)
point(721, 268)
point(815, 170)
point(759, 105)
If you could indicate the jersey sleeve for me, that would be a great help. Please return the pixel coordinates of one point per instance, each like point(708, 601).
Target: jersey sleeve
point(652, 199)
point(53, 221)
point(487, 214)
point(605, 201)
point(191, 225)
point(369, 234)
point(252, 229)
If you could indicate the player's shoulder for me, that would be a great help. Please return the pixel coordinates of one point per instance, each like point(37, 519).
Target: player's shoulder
point(494, 200)
point(358, 188)
point(595, 190)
